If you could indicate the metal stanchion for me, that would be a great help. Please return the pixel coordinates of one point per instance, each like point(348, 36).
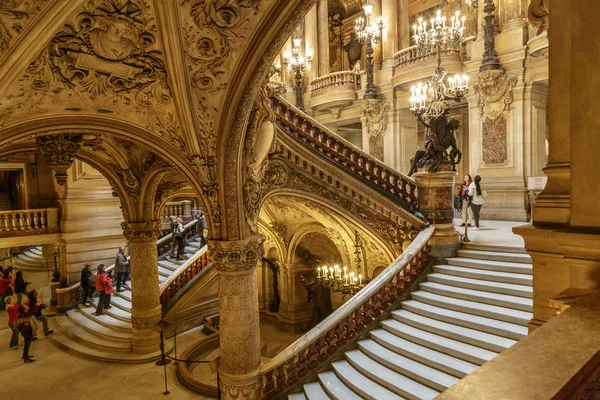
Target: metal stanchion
point(176, 361)
point(466, 236)
point(163, 357)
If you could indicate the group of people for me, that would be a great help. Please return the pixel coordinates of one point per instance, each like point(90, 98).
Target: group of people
point(471, 196)
point(179, 234)
point(103, 281)
point(24, 311)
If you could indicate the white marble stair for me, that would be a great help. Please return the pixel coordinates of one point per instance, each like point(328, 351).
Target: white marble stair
point(107, 337)
point(30, 259)
point(465, 314)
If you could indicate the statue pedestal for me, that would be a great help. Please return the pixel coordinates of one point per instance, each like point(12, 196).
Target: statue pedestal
point(435, 198)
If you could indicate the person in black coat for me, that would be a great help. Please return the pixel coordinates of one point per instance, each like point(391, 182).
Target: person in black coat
point(20, 287)
point(86, 284)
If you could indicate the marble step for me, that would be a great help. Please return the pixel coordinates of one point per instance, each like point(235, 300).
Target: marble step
point(91, 339)
point(166, 264)
point(314, 391)
point(36, 250)
point(494, 248)
point(125, 294)
point(498, 266)
point(164, 272)
point(162, 279)
point(95, 328)
point(387, 378)
point(474, 308)
point(483, 324)
point(122, 303)
point(454, 348)
point(63, 341)
point(501, 300)
point(297, 396)
point(480, 274)
point(335, 388)
point(406, 367)
point(432, 358)
point(485, 286)
point(195, 244)
point(495, 256)
point(115, 312)
point(106, 320)
point(467, 335)
point(360, 384)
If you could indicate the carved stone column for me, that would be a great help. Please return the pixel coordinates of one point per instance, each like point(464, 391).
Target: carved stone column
point(323, 32)
point(377, 47)
point(403, 25)
point(374, 122)
point(311, 35)
point(236, 262)
point(390, 31)
point(145, 300)
point(435, 196)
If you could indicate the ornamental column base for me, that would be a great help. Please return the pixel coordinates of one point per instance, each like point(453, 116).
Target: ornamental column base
point(145, 337)
point(239, 387)
point(435, 201)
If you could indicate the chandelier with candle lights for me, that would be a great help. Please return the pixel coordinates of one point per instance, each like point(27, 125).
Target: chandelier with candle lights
point(299, 65)
point(430, 99)
point(370, 34)
point(340, 279)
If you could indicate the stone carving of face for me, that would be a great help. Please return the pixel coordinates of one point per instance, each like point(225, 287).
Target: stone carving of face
point(113, 39)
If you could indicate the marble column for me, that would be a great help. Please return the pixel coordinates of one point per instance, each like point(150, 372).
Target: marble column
point(435, 198)
point(323, 32)
point(287, 74)
point(390, 31)
point(378, 47)
point(146, 309)
point(236, 262)
point(311, 36)
point(403, 25)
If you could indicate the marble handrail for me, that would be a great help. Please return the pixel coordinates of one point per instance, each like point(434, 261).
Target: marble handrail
point(334, 81)
point(31, 221)
point(343, 153)
point(347, 321)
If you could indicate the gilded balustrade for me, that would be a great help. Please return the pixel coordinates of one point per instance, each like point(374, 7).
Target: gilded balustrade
point(28, 222)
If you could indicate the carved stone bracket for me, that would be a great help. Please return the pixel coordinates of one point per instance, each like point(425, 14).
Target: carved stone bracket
point(59, 151)
point(375, 121)
point(237, 255)
point(141, 231)
point(495, 92)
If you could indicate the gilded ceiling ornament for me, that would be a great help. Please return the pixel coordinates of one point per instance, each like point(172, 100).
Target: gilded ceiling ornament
point(59, 151)
point(14, 16)
point(495, 92)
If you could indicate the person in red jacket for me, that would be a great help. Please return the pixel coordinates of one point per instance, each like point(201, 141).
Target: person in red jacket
point(109, 288)
point(5, 282)
point(101, 285)
point(13, 316)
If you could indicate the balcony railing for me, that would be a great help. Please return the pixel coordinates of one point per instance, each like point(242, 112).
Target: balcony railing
point(347, 322)
point(335, 81)
point(28, 222)
point(413, 54)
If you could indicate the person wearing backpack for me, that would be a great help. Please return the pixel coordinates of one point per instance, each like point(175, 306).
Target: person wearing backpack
point(477, 196)
point(180, 238)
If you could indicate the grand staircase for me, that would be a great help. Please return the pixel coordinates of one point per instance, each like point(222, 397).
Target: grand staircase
point(463, 315)
point(108, 337)
point(30, 259)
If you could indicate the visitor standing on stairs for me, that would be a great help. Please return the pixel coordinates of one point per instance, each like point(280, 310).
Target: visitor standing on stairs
point(173, 240)
point(463, 193)
point(87, 284)
point(20, 286)
point(101, 285)
point(121, 266)
point(25, 325)
point(477, 196)
point(109, 289)
point(36, 305)
point(180, 238)
point(13, 315)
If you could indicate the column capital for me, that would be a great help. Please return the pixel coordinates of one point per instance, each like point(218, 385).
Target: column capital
point(141, 231)
point(237, 255)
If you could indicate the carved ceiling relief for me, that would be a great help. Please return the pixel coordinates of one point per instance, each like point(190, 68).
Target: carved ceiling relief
point(14, 16)
point(375, 120)
point(106, 60)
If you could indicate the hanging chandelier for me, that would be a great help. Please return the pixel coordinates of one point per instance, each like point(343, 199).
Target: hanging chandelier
point(430, 99)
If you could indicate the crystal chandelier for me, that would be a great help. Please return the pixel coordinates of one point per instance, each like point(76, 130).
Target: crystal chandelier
point(430, 99)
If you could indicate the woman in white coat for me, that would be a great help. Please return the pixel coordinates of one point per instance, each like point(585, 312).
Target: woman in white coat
point(477, 196)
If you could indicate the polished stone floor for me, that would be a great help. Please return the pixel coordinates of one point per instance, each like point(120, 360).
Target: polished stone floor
point(497, 233)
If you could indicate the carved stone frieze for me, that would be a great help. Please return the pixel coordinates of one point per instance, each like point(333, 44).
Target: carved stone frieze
point(495, 92)
point(14, 16)
point(141, 231)
point(250, 391)
point(280, 229)
point(375, 122)
point(237, 255)
point(494, 141)
point(59, 151)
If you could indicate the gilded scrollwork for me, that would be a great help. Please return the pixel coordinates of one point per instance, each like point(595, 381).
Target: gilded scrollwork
point(495, 92)
point(237, 255)
point(59, 151)
point(14, 16)
point(375, 121)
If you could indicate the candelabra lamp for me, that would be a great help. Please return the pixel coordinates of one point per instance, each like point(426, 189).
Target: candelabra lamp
point(370, 34)
point(299, 65)
point(430, 99)
point(490, 57)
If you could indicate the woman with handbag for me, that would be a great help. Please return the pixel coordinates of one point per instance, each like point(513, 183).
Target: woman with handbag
point(25, 325)
point(463, 196)
point(477, 196)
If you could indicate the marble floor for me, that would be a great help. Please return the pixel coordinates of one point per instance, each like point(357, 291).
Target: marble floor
point(497, 233)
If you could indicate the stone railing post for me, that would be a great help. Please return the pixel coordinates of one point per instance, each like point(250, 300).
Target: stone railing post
point(236, 262)
point(146, 309)
point(435, 201)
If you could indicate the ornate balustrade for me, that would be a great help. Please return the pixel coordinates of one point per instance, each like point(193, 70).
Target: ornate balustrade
point(335, 91)
point(344, 154)
point(181, 277)
point(348, 321)
point(28, 222)
point(68, 296)
point(180, 209)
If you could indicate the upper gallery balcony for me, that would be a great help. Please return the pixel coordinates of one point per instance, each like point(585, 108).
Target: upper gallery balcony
point(335, 91)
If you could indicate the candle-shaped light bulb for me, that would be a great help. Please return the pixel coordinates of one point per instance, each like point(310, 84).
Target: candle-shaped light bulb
point(360, 280)
point(318, 272)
